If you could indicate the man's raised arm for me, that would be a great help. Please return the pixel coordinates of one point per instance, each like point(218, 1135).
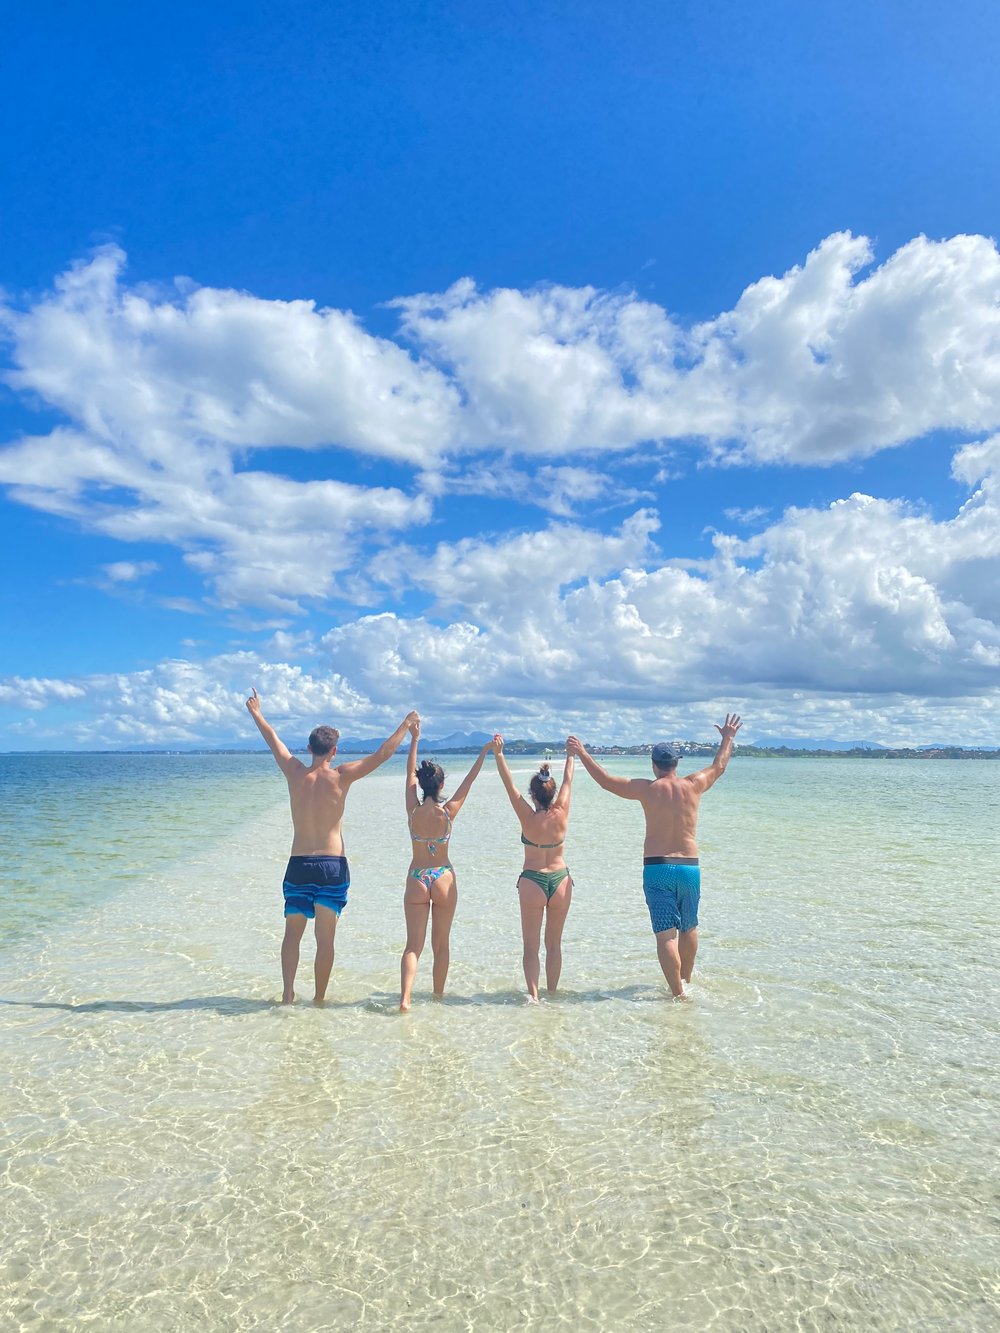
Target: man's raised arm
point(282, 755)
point(629, 788)
point(360, 768)
point(705, 777)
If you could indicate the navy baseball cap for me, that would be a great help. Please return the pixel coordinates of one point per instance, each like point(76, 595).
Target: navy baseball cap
point(664, 754)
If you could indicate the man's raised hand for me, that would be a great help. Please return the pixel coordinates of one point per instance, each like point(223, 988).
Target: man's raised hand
point(730, 727)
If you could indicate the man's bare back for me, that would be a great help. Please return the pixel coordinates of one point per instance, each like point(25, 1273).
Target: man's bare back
point(671, 875)
point(317, 797)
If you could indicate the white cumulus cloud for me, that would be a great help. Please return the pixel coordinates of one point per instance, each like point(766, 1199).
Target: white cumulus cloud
point(156, 366)
point(34, 693)
point(168, 391)
point(825, 362)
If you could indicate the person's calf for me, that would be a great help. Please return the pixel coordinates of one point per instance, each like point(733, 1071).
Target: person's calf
point(687, 945)
point(669, 957)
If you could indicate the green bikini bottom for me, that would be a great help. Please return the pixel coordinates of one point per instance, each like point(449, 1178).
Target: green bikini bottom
point(547, 880)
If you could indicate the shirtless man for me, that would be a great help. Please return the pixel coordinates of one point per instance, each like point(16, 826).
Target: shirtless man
point(671, 877)
point(317, 877)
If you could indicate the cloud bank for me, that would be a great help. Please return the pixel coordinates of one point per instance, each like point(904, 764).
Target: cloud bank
point(167, 395)
point(865, 618)
point(834, 359)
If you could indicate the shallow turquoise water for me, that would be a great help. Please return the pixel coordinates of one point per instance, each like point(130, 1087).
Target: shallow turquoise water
point(77, 828)
point(810, 1144)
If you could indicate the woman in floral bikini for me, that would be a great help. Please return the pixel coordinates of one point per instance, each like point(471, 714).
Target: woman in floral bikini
point(431, 888)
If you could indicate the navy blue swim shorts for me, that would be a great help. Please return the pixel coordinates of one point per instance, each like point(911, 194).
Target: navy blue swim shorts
point(672, 886)
point(316, 879)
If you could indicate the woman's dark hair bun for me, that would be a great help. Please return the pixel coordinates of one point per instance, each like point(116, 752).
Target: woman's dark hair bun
point(431, 778)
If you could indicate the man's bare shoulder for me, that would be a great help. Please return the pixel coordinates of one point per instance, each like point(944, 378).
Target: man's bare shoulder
point(304, 775)
point(668, 789)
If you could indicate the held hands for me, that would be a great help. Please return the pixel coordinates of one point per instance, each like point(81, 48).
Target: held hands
point(575, 747)
point(730, 727)
point(253, 703)
point(497, 744)
point(413, 725)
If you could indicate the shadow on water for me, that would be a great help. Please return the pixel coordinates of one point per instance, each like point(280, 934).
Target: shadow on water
point(221, 1004)
point(382, 1002)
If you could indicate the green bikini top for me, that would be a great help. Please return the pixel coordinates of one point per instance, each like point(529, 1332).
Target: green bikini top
point(528, 843)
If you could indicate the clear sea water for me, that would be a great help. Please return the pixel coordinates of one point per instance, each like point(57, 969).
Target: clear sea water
point(810, 1144)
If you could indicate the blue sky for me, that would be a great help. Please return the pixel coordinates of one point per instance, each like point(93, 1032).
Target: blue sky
point(597, 368)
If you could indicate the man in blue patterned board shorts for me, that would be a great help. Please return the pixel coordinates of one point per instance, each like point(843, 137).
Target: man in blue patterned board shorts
point(317, 876)
point(671, 875)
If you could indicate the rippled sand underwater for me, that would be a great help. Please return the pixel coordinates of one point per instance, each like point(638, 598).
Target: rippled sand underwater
point(810, 1144)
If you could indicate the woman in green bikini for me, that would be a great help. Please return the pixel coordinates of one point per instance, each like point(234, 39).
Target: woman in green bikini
point(545, 885)
point(431, 888)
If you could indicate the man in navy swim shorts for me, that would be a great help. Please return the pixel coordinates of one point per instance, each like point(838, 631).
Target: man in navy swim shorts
point(317, 876)
point(671, 875)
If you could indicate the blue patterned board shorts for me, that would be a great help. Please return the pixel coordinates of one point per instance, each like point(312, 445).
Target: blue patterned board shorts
point(316, 879)
point(673, 889)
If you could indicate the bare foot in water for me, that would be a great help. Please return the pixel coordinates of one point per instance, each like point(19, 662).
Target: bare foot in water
point(319, 1001)
point(404, 1006)
point(288, 999)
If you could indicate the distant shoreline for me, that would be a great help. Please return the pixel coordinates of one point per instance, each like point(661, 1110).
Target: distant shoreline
point(540, 750)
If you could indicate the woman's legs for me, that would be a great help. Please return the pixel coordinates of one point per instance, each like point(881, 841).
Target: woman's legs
point(532, 910)
point(555, 919)
point(444, 900)
point(416, 909)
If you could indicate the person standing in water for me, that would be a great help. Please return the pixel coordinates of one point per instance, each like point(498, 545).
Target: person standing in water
point(544, 886)
point(317, 876)
point(431, 887)
point(671, 875)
